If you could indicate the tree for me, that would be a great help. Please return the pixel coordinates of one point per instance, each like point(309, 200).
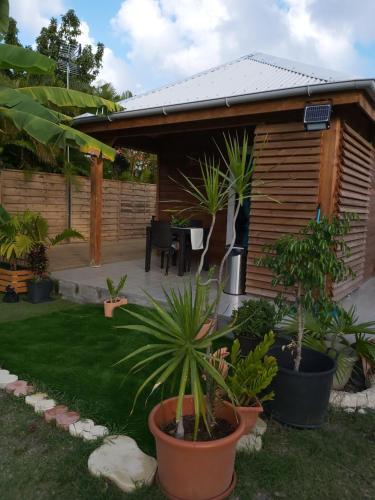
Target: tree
point(55, 35)
point(11, 36)
point(108, 91)
point(306, 263)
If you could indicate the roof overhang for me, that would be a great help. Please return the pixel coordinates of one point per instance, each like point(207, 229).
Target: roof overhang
point(366, 87)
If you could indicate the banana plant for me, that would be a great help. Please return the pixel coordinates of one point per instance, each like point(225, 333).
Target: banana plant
point(40, 112)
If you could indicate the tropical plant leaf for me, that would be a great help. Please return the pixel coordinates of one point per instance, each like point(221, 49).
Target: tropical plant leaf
point(21, 59)
point(4, 16)
point(72, 100)
point(15, 99)
point(49, 133)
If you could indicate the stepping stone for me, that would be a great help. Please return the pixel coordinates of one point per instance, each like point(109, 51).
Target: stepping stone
point(83, 425)
point(96, 432)
point(44, 404)
point(6, 378)
point(50, 415)
point(249, 443)
point(63, 420)
point(120, 460)
point(34, 398)
point(260, 427)
point(19, 388)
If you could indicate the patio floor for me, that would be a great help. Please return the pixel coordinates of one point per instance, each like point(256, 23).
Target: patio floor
point(82, 283)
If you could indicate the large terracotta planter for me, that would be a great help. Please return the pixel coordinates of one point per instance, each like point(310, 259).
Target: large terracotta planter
point(16, 279)
point(109, 306)
point(249, 415)
point(195, 470)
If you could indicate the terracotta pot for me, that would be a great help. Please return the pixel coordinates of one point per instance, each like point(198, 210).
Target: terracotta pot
point(109, 306)
point(208, 325)
point(249, 415)
point(195, 470)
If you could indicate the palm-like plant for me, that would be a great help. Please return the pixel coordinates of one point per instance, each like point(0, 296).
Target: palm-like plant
point(340, 334)
point(25, 235)
point(39, 111)
point(175, 343)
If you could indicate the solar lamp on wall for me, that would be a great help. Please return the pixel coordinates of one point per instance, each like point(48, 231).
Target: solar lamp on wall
point(317, 117)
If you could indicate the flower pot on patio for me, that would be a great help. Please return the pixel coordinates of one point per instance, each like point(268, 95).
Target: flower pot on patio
point(249, 415)
point(195, 470)
point(17, 279)
point(39, 290)
point(301, 397)
point(110, 306)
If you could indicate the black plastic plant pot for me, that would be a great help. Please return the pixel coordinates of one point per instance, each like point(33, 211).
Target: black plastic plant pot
point(301, 398)
point(39, 290)
point(248, 343)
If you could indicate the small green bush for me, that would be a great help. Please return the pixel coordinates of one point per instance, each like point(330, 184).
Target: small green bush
point(256, 317)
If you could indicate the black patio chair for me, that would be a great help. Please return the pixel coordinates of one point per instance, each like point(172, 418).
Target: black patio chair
point(163, 240)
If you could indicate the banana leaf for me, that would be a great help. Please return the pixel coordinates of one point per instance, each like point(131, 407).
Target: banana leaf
point(20, 59)
point(49, 133)
point(72, 100)
point(4, 16)
point(13, 98)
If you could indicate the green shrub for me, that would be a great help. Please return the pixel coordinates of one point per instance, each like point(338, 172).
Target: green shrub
point(255, 317)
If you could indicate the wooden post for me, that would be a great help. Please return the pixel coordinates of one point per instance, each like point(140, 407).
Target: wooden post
point(96, 205)
point(330, 168)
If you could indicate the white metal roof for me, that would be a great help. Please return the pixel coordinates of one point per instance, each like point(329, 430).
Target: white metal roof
point(250, 74)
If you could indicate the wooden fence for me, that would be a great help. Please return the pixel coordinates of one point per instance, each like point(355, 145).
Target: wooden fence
point(127, 206)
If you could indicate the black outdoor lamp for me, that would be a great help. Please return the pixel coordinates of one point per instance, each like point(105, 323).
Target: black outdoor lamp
point(317, 117)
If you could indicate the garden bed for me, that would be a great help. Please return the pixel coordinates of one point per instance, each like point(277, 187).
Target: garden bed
point(72, 350)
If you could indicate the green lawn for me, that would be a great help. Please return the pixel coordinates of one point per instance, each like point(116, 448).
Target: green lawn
point(72, 351)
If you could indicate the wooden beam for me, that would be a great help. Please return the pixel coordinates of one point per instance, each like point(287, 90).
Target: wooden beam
point(245, 109)
point(96, 205)
point(329, 168)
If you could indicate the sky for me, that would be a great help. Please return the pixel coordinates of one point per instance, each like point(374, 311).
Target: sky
point(150, 43)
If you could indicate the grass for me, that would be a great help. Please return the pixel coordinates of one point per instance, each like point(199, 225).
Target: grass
point(72, 351)
point(23, 310)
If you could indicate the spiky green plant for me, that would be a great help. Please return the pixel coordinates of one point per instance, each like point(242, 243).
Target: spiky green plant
point(173, 332)
point(115, 290)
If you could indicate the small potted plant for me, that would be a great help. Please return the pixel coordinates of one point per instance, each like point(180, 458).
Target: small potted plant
point(304, 264)
point(248, 378)
point(255, 318)
point(114, 300)
point(40, 287)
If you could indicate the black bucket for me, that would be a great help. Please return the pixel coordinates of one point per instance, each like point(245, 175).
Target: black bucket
point(39, 291)
point(301, 398)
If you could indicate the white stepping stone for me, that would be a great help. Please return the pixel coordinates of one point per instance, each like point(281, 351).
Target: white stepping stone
point(43, 405)
point(120, 460)
point(249, 443)
point(96, 432)
point(6, 378)
point(34, 398)
point(260, 427)
point(83, 425)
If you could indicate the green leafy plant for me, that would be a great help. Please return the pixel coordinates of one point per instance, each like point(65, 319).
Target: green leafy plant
point(249, 377)
point(25, 236)
point(338, 333)
point(113, 290)
point(256, 317)
point(31, 110)
point(173, 341)
point(304, 263)
point(179, 221)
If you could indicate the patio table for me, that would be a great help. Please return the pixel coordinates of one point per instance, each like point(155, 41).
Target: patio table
point(180, 233)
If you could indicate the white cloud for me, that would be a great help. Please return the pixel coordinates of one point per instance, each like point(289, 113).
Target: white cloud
point(32, 15)
point(173, 39)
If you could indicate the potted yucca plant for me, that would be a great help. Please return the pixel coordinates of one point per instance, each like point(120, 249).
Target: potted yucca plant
point(196, 432)
point(114, 300)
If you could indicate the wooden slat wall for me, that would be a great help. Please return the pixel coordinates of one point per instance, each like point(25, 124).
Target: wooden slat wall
point(287, 170)
point(127, 206)
point(354, 195)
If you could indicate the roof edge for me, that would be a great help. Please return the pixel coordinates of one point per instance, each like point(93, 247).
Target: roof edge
point(367, 85)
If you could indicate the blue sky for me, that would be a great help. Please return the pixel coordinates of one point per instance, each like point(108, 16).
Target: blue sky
point(153, 42)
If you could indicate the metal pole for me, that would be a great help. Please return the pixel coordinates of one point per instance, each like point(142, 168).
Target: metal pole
point(69, 184)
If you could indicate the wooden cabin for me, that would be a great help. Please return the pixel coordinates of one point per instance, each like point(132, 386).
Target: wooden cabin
point(331, 169)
